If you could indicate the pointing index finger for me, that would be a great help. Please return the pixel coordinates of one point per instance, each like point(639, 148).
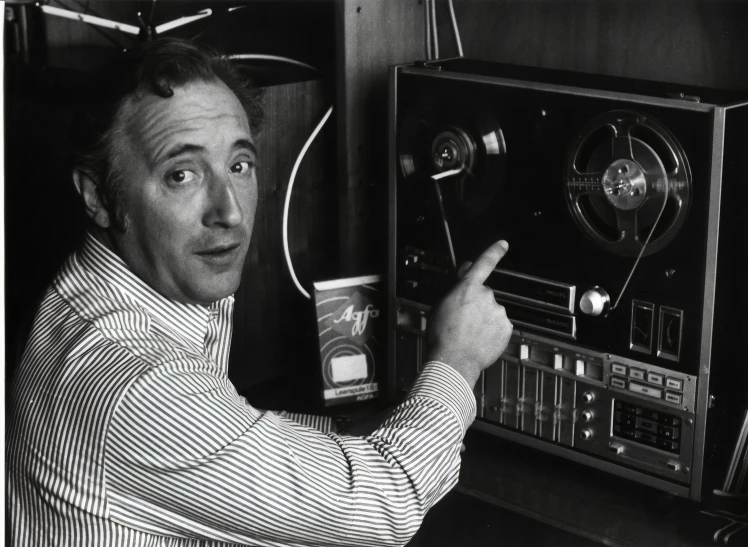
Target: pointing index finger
point(484, 265)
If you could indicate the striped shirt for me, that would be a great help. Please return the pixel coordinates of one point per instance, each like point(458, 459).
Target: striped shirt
point(125, 430)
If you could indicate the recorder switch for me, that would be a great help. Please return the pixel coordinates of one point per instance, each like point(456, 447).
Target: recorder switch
point(594, 302)
point(524, 352)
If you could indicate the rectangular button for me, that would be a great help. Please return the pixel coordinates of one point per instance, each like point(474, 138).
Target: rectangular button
point(665, 444)
point(673, 466)
point(670, 420)
point(646, 437)
point(668, 433)
point(627, 421)
point(676, 398)
point(524, 352)
point(618, 382)
point(650, 414)
point(674, 383)
point(558, 361)
point(647, 425)
point(636, 373)
point(615, 448)
point(646, 390)
point(629, 409)
point(579, 367)
point(654, 378)
point(626, 433)
point(618, 368)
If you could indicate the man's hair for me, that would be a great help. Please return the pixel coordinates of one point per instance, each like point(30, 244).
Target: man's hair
point(153, 67)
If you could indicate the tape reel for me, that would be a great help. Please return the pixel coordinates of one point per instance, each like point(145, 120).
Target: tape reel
point(445, 132)
point(623, 173)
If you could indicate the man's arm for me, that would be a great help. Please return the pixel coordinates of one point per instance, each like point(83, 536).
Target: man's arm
point(187, 457)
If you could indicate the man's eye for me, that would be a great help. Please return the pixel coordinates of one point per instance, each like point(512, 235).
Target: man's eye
point(242, 167)
point(182, 176)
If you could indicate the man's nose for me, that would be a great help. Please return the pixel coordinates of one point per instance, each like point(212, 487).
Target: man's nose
point(223, 203)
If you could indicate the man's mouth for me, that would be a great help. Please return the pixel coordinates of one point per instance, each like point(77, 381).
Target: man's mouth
point(220, 253)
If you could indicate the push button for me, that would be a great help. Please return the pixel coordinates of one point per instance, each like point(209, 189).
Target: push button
point(670, 446)
point(579, 367)
point(558, 362)
point(668, 433)
point(625, 407)
point(524, 352)
point(646, 390)
point(670, 420)
point(645, 437)
point(674, 383)
point(636, 373)
point(676, 398)
point(673, 466)
point(618, 382)
point(617, 368)
point(654, 378)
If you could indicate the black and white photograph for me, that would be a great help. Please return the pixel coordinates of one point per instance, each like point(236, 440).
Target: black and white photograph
point(435, 273)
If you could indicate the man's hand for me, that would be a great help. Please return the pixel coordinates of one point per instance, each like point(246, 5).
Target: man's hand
point(469, 330)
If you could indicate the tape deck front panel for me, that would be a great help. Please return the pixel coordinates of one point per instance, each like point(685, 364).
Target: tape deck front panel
point(605, 189)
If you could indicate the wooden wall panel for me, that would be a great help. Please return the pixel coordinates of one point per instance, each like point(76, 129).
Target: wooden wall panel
point(274, 325)
point(681, 41)
point(372, 35)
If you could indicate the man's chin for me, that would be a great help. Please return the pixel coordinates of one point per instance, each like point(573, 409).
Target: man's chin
point(215, 289)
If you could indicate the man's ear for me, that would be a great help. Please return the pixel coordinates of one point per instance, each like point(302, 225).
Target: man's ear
point(88, 189)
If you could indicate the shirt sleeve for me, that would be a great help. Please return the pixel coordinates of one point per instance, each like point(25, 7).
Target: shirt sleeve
point(188, 457)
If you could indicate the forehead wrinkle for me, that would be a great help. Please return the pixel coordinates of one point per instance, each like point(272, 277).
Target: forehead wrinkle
point(157, 126)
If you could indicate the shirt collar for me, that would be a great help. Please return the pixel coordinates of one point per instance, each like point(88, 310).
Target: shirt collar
point(190, 321)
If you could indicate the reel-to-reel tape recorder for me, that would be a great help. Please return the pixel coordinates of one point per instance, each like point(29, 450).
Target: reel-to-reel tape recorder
point(622, 203)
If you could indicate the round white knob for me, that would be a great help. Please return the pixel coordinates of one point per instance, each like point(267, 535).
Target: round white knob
point(587, 415)
point(588, 397)
point(594, 302)
point(586, 434)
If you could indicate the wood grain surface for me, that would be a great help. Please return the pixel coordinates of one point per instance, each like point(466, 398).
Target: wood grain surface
point(274, 326)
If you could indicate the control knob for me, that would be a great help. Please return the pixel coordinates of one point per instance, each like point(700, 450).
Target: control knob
point(586, 434)
point(594, 302)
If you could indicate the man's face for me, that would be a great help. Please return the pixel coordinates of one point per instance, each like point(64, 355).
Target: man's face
point(189, 191)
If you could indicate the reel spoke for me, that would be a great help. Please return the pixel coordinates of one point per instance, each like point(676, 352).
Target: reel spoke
point(581, 184)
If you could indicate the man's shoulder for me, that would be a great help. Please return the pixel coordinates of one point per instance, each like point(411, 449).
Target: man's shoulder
point(96, 301)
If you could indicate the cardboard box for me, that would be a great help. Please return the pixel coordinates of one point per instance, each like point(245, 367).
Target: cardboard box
point(351, 322)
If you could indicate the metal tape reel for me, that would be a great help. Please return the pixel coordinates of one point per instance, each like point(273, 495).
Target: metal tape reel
point(620, 172)
point(445, 132)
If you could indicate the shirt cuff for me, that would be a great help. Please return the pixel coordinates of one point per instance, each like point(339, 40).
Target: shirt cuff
point(441, 382)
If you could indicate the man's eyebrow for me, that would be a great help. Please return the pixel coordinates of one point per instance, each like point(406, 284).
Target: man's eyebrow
point(245, 143)
point(187, 148)
point(184, 149)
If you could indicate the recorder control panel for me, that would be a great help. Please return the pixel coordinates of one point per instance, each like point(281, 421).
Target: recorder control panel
point(544, 392)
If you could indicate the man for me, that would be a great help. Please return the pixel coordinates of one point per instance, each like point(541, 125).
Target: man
point(124, 427)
